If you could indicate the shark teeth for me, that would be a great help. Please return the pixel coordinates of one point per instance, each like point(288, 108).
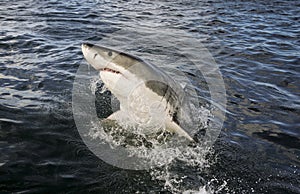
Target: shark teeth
point(110, 70)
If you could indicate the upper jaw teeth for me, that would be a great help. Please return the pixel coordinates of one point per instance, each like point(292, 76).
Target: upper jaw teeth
point(109, 70)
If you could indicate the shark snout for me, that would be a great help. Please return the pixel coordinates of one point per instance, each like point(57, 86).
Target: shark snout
point(90, 53)
point(87, 45)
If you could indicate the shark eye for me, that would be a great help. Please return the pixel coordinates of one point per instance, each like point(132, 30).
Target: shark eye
point(109, 53)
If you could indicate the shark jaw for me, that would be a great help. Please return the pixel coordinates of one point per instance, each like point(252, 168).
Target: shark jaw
point(141, 88)
point(110, 70)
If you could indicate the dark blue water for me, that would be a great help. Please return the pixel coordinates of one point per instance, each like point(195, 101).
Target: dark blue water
point(256, 45)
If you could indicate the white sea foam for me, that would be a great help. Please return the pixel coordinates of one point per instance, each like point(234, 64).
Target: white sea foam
point(162, 154)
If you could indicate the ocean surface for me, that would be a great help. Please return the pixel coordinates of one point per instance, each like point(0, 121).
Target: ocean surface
point(255, 44)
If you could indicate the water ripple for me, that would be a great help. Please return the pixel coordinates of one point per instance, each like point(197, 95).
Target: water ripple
point(256, 45)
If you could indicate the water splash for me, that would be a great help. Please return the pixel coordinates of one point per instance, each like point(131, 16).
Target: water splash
point(163, 151)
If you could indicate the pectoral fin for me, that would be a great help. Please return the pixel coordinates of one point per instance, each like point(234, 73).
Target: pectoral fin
point(115, 115)
point(111, 122)
point(175, 128)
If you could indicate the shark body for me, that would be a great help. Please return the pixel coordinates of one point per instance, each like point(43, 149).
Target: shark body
point(147, 95)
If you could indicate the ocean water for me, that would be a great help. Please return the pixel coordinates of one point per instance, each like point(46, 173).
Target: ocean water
point(254, 44)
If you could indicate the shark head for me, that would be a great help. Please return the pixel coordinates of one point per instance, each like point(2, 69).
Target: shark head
point(116, 68)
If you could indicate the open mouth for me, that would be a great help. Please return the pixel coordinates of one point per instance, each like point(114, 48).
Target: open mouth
point(110, 70)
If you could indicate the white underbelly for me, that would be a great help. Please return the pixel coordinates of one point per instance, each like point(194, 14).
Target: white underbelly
point(146, 109)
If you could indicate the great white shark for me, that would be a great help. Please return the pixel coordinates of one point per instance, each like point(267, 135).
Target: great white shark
point(139, 86)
